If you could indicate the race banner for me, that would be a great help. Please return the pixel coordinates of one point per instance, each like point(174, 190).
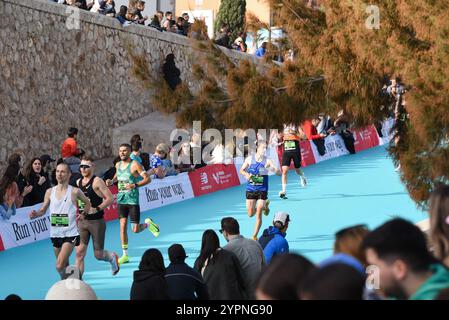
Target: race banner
point(365, 138)
point(20, 230)
point(213, 178)
point(335, 147)
point(162, 192)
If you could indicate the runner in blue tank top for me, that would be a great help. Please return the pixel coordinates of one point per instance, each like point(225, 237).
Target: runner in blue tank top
point(255, 170)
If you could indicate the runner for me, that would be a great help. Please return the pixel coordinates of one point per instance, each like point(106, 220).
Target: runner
point(62, 201)
point(292, 151)
point(93, 224)
point(255, 170)
point(127, 175)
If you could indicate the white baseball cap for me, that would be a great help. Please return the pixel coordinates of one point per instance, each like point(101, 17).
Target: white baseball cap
point(283, 217)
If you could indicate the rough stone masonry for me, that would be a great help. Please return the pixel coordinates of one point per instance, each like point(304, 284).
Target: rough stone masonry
point(53, 77)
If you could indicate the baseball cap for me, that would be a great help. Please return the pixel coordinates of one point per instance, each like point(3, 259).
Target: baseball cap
point(176, 252)
point(281, 217)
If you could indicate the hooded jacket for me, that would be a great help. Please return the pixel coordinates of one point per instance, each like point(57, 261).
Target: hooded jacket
point(273, 242)
point(433, 285)
point(149, 285)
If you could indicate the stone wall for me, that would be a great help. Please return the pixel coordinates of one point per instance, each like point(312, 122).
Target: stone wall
point(54, 76)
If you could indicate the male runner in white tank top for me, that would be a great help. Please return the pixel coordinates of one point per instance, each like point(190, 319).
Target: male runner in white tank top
point(62, 201)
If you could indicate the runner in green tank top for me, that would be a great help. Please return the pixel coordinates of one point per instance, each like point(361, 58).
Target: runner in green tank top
point(128, 182)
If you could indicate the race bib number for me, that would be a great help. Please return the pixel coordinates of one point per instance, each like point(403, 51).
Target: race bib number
point(256, 180)
point(289, 145)
point(59, 220)
point(121, 184)
point(81, 206)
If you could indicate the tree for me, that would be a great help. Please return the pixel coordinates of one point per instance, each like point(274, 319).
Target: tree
point(232, 13)
point(342, 58)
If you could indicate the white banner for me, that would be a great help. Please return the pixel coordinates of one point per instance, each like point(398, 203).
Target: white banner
point(20, 230)
point(162, 192)
point(335, 147)
point(386, 127)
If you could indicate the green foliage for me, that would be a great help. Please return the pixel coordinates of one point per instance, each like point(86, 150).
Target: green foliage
point(232, 13)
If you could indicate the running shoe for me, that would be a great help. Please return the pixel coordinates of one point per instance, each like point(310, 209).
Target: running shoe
point(283, 195)
point(154, 228)
point(266, 209)
point(115, 265)
point(123, 259)
point(303, 181)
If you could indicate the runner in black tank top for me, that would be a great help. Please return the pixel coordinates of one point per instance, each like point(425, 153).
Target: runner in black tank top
point(92, 223)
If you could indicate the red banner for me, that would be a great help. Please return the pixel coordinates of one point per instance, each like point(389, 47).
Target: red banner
point(307, 157)
point(111, 212)
point(366, 138)
point(2, 248)
point(213, 178)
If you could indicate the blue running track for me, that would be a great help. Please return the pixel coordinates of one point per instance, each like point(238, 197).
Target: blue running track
point(362, 188)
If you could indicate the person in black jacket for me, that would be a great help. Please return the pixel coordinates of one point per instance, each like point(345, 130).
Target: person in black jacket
point(220, 269)
point(171, 72)
point(149, 282)
point(34, 183)
point(184, 282)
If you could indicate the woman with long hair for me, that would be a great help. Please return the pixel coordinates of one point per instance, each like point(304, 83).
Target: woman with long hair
point(10, 197)
point(439, 223)
point(149, 281)
point(34, 178)
point(220, 269)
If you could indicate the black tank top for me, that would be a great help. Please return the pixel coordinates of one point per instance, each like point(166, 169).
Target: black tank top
point(95, 200)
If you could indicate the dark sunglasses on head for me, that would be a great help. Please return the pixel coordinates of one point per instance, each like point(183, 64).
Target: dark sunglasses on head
point(85, 166)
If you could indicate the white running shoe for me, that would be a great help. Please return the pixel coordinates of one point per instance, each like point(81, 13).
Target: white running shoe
point(303, 181)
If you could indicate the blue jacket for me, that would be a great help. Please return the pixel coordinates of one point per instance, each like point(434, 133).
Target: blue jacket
point(273, 242)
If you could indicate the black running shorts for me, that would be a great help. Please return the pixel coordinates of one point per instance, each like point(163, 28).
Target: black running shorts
point(256, 195)
point(58, 242)
point(131, 210)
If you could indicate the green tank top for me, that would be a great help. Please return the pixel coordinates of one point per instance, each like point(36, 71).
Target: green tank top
point(124, 176)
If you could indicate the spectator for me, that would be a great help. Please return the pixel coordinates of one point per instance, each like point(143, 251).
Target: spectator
point(157, 169)
point(220, 269)
point(248, 252)
point(239, 43)
point(167, 23)
point(325, 124)
point(196, 149)
point(439, 223)
point(222, 39)
point(121, 16)
point(71, 289)
point(407, 270)
point(47, 161)
point(156, 23)
point(280, 280)
point(141, 157)
point(70, 152)
point(273, 239)
point(312, 134)
point(185, 162)
point(333, 282)
point(180, 26)
point(108, 8)
point(10, 196)
point(16, 161)
point(186, 25)
point(131, 15)
point(80, 4)
point(341, 127)
point(149, 281)
point(171, 72)
point(96, 6)
point(164, 152)
point(184, 282)
point(34, 177)
point(138, 17)
point(262, 50)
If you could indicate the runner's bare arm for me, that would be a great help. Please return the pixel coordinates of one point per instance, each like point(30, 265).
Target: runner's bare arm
point(110, 182)
point(105, 193)
point(137, 168)
point(43, 209)
point(243, 169)
point(270, 166)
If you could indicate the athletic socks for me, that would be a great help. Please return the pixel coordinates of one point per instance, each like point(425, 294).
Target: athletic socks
point(125, 249)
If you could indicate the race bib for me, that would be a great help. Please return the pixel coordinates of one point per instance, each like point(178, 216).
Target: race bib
point(289, 145)
point(81, 206)
point(121, 185)
point(256, 180)
point(59, 220)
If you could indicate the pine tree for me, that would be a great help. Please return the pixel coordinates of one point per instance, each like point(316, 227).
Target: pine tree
point(341, 61)
point(232, 13)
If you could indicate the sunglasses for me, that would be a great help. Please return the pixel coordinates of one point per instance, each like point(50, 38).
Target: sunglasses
point(85, 166)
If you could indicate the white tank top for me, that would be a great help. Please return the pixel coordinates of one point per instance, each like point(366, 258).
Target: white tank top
point(63, 215)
